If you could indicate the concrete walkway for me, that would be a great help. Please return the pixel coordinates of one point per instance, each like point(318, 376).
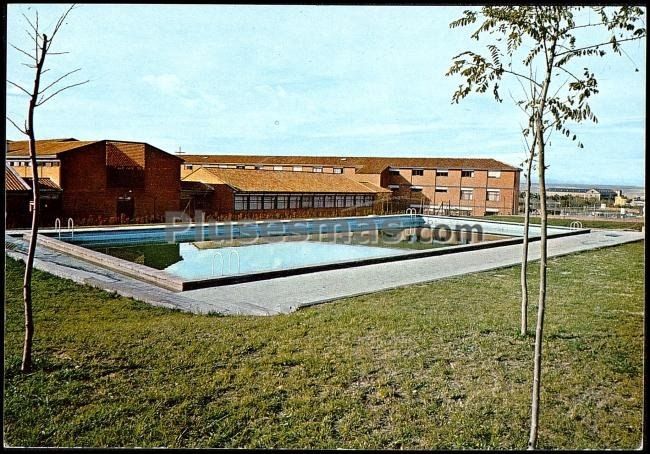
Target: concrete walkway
point(287, 294)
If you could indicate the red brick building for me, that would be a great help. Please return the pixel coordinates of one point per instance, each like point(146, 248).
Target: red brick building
point(464, 186)
point(17, 197)
point(104, 181)
point(258, 194)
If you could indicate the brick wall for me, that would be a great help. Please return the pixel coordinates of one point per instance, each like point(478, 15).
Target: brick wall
point(88, 200)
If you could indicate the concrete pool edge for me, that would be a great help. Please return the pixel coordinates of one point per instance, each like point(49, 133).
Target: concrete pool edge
point(285, 295)
point(134, 270)
point(274, 274)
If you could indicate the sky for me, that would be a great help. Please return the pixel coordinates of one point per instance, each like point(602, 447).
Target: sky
point(306, 80)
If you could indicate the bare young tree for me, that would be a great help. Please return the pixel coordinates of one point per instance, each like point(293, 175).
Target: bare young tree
point(40, 93)
point(555, 55)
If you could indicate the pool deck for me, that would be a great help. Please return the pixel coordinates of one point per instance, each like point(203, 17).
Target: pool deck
point(287, 294)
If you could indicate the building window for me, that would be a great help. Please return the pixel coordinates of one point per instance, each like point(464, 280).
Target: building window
point(189, 166)
point(466, 194)
point(222, 166)
point(277, 167)
point(340, 201)
point(338, 170)
point(269, 202)
point(349, 200)
point(240, 202)
point(318, 170)
point(467, 173)
point(294, 201)
point(240, 167)
point(393, 171)
point(493, 195)
point(393, 187)
point(255, 202)
point(442, 173)
point(319, 201)
point(283, 202)
point(418, 172)
point(297, 168)
point(307, 201)
point(369, 200)
point(439, 189)
point(416, 189)
point(494, 174)
point(329, 201)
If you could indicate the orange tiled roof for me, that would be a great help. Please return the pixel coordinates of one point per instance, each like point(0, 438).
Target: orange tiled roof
point(125, 154)
point(362, 164)
point(280, 181)
point(49, 147)
point(13, 181)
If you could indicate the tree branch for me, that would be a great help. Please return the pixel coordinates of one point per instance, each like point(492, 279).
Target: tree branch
point(491, 66)
point(59, 23)
point(44, 100)
point(568, 72)
point(58, 80)
point(16, 126)
point(19, 87)
point(23, 52)
point(559, 54)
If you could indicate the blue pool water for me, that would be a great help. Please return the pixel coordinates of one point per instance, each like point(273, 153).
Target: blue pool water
point(195, 253)
point(197, 263)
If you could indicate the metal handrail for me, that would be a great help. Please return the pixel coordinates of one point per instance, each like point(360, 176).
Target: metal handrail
point(575, 225)
point(222, 268)
point(57, 226)
point(411, 212)
point(234, 251)
point(217, 254)
point(71, 227)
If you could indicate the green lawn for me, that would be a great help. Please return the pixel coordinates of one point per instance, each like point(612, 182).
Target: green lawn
point(429, 366)
point(586, 223)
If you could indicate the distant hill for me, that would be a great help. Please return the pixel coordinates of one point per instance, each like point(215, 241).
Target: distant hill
point(629, 191)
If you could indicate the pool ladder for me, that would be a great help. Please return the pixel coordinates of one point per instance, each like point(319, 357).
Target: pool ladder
point(411, 212)
point(218, 255)
point(57, 227)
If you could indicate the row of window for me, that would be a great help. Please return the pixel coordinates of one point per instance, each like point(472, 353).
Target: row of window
point(258, 167)
point(245, 202)
point(445, 173)
point(493, 195)
point(39, 163)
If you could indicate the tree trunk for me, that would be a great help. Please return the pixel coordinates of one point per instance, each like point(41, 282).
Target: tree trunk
point(539, 332)
point(26, 365)
point(524, 254)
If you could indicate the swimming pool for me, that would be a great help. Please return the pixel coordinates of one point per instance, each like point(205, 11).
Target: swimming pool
point(192, 256)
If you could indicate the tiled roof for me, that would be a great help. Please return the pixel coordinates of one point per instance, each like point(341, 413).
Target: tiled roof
point(280, 181)
point(362, 164)
point(125, 154)
point(13, 181)
point(44, 183)
point(48, 147)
